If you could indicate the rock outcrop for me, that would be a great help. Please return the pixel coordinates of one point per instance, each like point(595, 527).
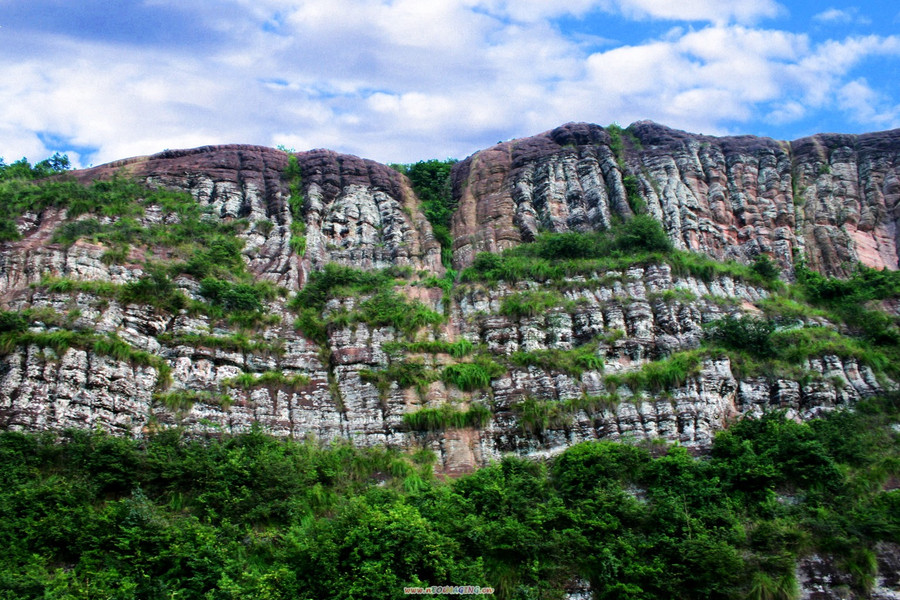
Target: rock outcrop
point(835, 198)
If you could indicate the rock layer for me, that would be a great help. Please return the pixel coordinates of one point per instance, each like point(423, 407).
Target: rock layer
point(835, 198)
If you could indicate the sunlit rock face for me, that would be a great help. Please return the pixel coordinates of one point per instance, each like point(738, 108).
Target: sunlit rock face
point(833, 197)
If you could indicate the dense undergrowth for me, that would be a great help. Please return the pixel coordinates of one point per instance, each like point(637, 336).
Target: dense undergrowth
point(381, 305)
point(250, 516)
point(431, 182)
point(555, 257)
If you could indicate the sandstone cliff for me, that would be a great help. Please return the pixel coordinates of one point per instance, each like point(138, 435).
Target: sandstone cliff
point(834, 198)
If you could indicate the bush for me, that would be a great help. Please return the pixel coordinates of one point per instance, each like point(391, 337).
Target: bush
point(765, 267)
point(446, 417)
point(11, 321)
point(472, 376)
point(642, 233)
point(231, 296)
point(745, 333)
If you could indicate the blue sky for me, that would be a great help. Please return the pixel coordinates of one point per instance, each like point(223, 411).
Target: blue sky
point(404, 80)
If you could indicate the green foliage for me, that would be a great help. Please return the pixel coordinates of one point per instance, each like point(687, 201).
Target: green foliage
point(252, 516)
point(12, 322)
point(458, 349)
point(431, 182)
point(574, 362)
point(660, 375)
point(851, 298)
point(470, 376)
point(765, 267)
point(447, 417)
point(182, 400)
point(538, 415)
point(383, 308)
point(533, 303)
point(406, 374)
point(238, 341)
point(231, 296)
point(269, 379)
point(639, 241)
point(109, 345)
point(746, 333)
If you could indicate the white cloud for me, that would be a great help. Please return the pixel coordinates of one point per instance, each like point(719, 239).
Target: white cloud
point(839, 16)
point(404, 80)
point(714, 11)
point(865, 105)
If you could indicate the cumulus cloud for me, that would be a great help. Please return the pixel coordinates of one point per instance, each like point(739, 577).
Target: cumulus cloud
point(840, 16)
point(404, 80)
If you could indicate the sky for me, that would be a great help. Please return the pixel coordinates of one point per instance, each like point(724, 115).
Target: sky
point(407, 80)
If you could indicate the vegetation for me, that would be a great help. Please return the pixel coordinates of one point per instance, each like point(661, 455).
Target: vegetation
point(384, 307)
point(574, 362)
point(87, 515)
point(270, 379)
point(457, 349)
point(656, 376)
point(182, 400)
point(431, 182)
point(617, 137)
point(555, 257)
point(447, 417)
point(471, 376)
point(407, 374)
point(110, 345)
point(533, 303)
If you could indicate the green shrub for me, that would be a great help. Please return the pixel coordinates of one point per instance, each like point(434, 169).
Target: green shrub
point(532, 303)
point(11, 321)
point(269, 379)
point(765, 267)
point(447, 417)
point(660, 375)
point(431, 182)
point(470, 376)
point(573, 362)
point(745, 333)
point(231, 296)
point(407, 374)
point(458, 349)
point(538, 415)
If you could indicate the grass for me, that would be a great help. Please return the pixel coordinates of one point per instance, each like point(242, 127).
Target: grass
point(183, 400)
point(269, 379)
point(536, 415)
point(573, 362)
point(471, 376)
point(458, 349)
point(533, 303)
point(407, 374)
point(238, 342)
point(447, 417)
point(552, 259)
point(381, 306)
point(660, 375)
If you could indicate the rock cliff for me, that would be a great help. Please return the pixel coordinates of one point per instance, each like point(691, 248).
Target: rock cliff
point(833, 198)
point(471, 368)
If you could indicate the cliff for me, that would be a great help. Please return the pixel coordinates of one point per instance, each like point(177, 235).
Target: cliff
point(138, 312)
point(834, 198)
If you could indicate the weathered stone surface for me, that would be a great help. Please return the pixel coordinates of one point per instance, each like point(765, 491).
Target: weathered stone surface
point(834, 197)
point(727, 197)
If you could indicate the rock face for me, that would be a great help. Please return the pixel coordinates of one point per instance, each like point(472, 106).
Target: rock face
point(356, 212)
point(836, 198)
